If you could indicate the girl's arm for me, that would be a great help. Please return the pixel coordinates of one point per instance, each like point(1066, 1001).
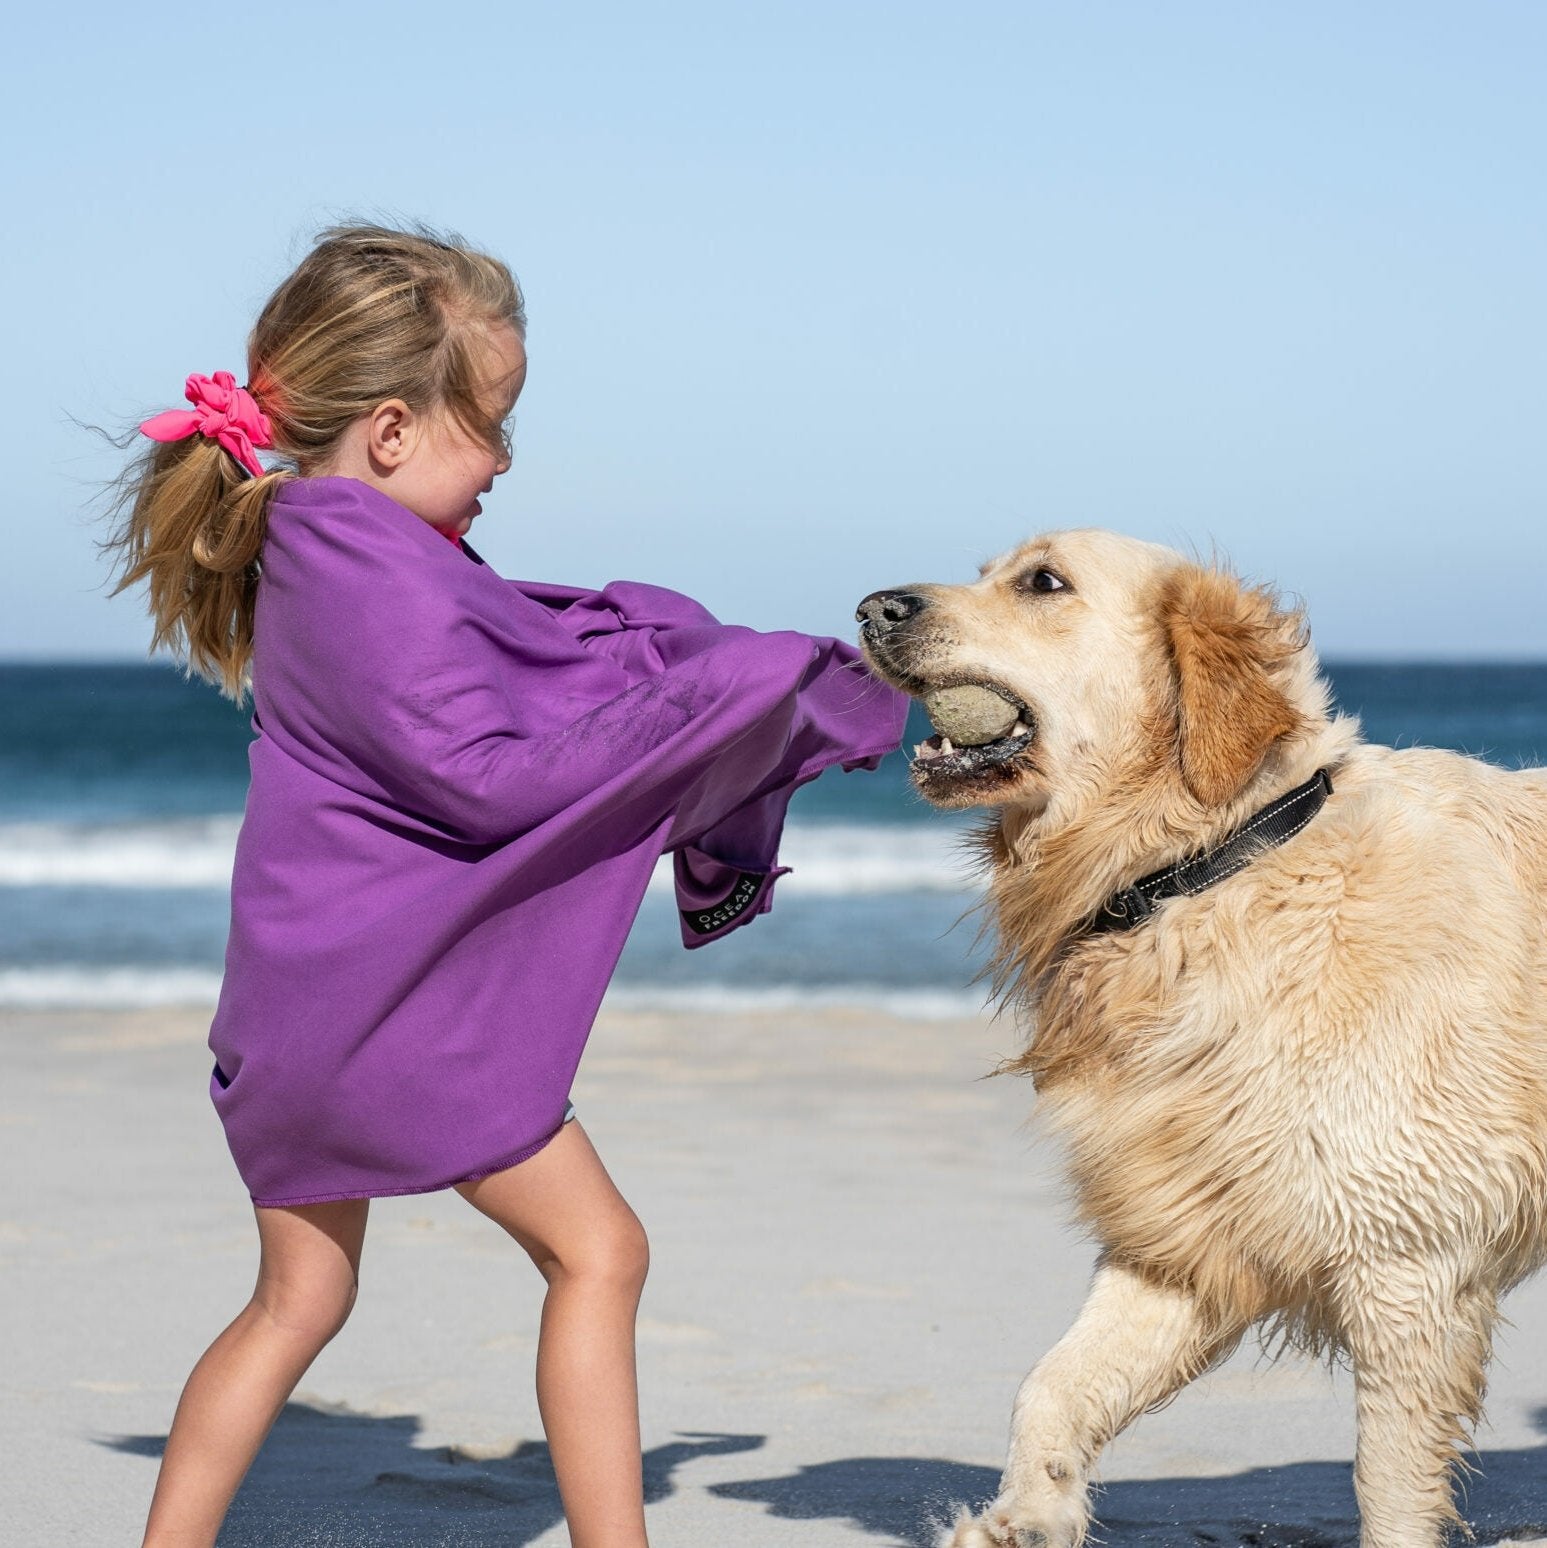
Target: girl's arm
point(478, 709)
point(472, 742)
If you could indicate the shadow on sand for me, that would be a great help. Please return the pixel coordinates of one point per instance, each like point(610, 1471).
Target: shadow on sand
point(1305, 1505)
point(334, 1478)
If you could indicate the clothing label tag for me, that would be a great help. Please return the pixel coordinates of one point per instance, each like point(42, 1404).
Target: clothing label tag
point(705, 921)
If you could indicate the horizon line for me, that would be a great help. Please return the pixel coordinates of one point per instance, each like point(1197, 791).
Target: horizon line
point(165, 662)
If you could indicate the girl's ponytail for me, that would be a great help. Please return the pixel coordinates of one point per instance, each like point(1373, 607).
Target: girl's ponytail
point(191, 524)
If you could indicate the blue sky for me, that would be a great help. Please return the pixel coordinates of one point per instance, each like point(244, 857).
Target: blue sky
point(828, 297)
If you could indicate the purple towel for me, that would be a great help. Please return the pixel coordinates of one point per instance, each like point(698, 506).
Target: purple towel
point(460, 786)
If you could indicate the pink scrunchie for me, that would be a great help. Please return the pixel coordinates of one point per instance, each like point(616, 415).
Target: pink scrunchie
point(224, 412)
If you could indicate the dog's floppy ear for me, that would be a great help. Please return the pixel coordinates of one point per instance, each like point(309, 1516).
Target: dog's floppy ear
point(1225, 639)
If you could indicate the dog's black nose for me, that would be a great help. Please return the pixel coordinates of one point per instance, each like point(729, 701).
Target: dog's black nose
point(886, 609)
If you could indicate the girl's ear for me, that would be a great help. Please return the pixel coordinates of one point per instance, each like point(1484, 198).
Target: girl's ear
point(1225, 640)
point(391, 433)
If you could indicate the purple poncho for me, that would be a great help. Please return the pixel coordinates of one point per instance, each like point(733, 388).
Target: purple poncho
point(460, 786)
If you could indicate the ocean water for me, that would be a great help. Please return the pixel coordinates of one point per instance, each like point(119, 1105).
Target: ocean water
point(121, 790)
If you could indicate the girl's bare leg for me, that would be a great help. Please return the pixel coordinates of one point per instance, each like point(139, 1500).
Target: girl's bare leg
point(306, 1286)
point(562, 1207)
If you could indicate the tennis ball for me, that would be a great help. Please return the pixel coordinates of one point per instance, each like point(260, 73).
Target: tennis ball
point(969, 715)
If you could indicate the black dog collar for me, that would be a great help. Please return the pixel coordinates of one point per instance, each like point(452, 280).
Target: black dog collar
point(1276, 822)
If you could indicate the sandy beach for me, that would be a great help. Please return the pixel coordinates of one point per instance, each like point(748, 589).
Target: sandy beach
point(859, 1246)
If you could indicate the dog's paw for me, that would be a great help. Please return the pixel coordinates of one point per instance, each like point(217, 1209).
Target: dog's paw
point(1005, 1528)
point(1018, 1523)
point(971, 1532)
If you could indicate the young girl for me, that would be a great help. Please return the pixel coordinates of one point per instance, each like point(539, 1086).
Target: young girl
point(460, 786)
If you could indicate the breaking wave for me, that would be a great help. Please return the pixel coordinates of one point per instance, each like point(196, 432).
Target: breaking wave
point(68, 986)
point(828, 859)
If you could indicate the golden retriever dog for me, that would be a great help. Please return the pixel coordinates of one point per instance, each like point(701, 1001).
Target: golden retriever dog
point(1310, 1097)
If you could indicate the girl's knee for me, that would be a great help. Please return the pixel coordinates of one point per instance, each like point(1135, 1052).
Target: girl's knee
point(615, 1255)
point(309, 1268)
point(312, 1311)
point(634, 1261)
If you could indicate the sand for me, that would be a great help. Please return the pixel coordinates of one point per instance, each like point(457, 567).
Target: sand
point(859, 1247)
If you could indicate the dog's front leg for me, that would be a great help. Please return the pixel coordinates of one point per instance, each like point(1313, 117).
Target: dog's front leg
point(1135, 1342)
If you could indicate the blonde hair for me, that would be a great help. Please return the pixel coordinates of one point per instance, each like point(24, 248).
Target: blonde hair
point(372, 313)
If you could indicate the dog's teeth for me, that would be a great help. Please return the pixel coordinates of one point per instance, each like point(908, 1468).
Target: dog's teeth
point(1020, 729)
point(945, 747)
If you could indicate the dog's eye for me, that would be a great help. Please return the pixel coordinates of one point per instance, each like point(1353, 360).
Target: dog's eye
point(1041, 579)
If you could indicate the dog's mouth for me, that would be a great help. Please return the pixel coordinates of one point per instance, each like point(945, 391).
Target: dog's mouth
point(979, 727)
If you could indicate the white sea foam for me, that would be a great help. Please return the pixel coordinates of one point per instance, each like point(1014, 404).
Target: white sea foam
point(175, 853)
point(828, 859)
point(838, 859)
point(66, 986)
point(726, 1000)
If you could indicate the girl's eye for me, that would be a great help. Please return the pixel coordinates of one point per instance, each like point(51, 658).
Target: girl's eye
point(1042, 580)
